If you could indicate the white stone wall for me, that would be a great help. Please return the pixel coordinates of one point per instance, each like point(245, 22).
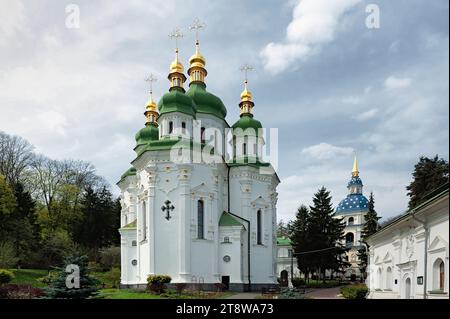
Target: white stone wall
point(397, 255)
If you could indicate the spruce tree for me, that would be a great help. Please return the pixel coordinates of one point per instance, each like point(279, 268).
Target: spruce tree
point(370, 227)
point(326, 234)
point(58, 287)
point(428, 175)
point(300, 238)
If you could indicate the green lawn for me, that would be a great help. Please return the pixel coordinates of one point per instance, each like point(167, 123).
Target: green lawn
point(28, 277)
point(125, 294)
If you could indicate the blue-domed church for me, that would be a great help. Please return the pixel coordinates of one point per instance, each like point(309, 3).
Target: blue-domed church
point(352, 209)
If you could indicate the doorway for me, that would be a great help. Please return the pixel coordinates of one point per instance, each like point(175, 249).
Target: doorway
point(284, 278)
point(226, 282)
point(408, 288)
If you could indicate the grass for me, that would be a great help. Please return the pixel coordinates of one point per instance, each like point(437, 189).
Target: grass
point(125, 294)
point(29, 277)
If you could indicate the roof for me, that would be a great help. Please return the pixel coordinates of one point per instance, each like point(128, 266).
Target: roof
point(131, 225)
point(431, 197)
point(205, 101)
point(229, 220)
point(353, 203)
point(283, 241)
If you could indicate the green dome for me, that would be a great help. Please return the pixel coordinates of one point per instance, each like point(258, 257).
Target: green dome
point(246, 122)
point(129, 172)
point(206, 102)
point(176, 101)
point(149, 133)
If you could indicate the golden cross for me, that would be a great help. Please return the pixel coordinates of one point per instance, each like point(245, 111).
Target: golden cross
point(151, 78)
point(246, 68)
point(176, 34)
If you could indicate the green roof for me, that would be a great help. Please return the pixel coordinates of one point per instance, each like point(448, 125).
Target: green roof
point(284, 241)
point(206, 102)
point(149, 133)
point(248, 161)
point(131, 225)
point(248, 122)
point(130, 172)
point(176, 101)
point(229, 220)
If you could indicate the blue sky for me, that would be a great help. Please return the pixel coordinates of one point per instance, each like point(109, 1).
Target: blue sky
point(330, 85)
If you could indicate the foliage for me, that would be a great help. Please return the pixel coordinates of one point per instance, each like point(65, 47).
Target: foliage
point(50, 277)
point(110, 257)
point(88, 284)
point(317, 236)
point(298, 282)
point(20, 292)
point(354, 291)
point(283, 229)
point(112, 277)
point(7, 200)
point(55, 248)
point(371, 226)
point(15, 157)
point(5, 276)
point(287, 293)
point(31, 277)
point(8, 257)
point(429, 174)
point(156, 283)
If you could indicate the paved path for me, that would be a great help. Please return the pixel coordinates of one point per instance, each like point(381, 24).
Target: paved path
point(245, 295)
point(324, 293)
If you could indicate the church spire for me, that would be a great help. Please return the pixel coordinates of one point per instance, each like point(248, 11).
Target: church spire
point(246, 104)
point(176, 75)
point(151, 111)
point(355, 172)
point(197, 71)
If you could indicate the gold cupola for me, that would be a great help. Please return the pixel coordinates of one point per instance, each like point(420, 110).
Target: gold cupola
point(197, 62)
point(151, 112)
point(176, 75)
point(246, 104)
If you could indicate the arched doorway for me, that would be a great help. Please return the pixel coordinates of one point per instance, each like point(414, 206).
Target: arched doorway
point(439, 274)
point(349, 239)
point(284, 278)
point(408, 288)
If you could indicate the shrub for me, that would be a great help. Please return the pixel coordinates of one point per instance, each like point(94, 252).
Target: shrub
point(5, 276)
point(8, 257)
point(48, 278)
point(297, 282)
point(110, 257)
point(156, 283)
point(112, 277)
point(20, 292)
point(354, 291)
point(286, 293)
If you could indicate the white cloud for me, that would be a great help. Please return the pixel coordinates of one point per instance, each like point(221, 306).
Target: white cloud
point(314, 23)
point(393, 82)
point(324, 151)
point(366, 115)
point(12, 20)
point(351, 100)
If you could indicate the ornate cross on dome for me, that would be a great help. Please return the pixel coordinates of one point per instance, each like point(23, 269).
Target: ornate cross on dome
point(246, 68)
point(151, 78)
point(197, 26)
point(176, 34)
point(167, 207)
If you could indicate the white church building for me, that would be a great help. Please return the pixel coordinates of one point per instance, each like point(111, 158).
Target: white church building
point(197, 217)
point(408, 258)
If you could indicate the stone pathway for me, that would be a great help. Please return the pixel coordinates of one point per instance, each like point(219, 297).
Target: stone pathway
point(245, 295)
point(324, 293)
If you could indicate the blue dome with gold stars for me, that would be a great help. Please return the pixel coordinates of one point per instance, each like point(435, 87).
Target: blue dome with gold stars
point(355, 201)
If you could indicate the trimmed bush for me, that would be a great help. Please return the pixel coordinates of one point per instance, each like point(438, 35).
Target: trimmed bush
point(286, 293)
point(156, 283)
point(354, 291)
point(112, 277)
point(297, 282)
point(5, 276)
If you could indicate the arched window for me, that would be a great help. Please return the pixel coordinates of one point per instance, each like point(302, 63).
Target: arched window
point(170, 127)
point(259, 227)
point(202, 135)
point(349, 239)
point(183, 127)
point(200, 219)
point(351, 221)
point(255, 149)
point(439, 274)
point(379, 279)
point(389, 278)
point(244, 149)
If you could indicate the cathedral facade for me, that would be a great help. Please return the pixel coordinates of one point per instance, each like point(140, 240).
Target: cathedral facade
point(191, 210)
point(352, 209)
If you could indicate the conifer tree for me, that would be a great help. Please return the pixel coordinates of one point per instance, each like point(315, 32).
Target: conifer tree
point(63, 285)
point(300, 238)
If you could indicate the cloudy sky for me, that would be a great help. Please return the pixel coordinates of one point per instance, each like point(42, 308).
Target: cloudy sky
point(330, 84)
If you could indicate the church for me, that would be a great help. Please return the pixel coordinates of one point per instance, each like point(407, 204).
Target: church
point(352, 210)
point(199, 201)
